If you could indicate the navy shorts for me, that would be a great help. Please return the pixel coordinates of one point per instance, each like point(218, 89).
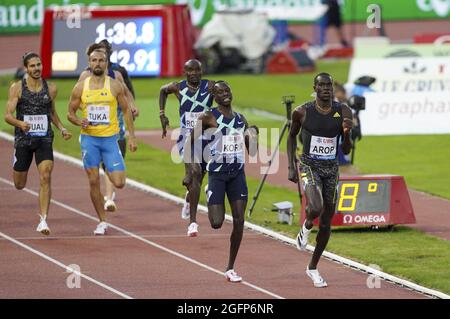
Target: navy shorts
point(231, 183)
point(23, 155)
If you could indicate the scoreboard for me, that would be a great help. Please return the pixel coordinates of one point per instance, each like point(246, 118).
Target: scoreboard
point(371, 200)
point(151, 40)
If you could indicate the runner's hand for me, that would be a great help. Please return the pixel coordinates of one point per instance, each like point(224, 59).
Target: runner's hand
point(293, 175)
point(134, 112)
point(164, 124)
point(132, 144)
point(24, 126)
point(66, 134)
point(84, 123)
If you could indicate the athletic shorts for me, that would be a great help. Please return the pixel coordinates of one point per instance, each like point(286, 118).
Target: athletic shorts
point(231, 183)
point(95, 149)
point(325, 177)
point(123, 148)
point(23, 155)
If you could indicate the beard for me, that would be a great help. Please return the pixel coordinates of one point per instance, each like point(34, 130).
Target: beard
point(97, 72)
point(35, 75)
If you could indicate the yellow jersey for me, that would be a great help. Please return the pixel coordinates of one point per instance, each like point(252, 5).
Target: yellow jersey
point(100, 108)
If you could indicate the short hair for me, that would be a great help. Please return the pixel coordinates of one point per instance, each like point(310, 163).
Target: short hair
point(28, 56)
point(100, 51)
point(105, 44)
point(92, 48)
point(222, 82)
point(322, 74)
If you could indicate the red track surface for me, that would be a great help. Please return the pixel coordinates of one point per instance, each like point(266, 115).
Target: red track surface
point(143, 269)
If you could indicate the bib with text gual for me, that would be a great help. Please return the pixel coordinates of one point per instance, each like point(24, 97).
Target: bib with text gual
point(323, 148)
point(38, 124)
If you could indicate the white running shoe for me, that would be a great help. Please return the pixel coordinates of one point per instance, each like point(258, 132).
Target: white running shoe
point(101, 228)
point(232, 276)
point(110, 206)
point(43, 227)
point(186, 210)
point(317, 279)
point(192, 230)
point(302, 237)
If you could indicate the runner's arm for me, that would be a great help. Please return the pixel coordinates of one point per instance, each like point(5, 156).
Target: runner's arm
point(13, 99)
point(129, 96)
point(296, 122)
point(128, 117)
point(165, 90)
point(54, 115)
point(347, 125)
point(251, 137)
point(74, 105)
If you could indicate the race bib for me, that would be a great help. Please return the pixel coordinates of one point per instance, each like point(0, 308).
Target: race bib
point(232, 144)
point(98, 114)
point(323, 148)
point(190, 119)
point(38, 123)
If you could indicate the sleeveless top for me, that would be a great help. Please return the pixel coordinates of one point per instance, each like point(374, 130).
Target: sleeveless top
point(34, 108)
point(99, 106)
point(320, 132)
point(226, 143)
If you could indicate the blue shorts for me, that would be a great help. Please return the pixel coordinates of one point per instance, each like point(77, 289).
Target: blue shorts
point(95, 149)
point(231, 183)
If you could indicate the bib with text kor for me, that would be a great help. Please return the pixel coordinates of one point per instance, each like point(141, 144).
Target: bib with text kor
point(98, 114)
point(191, 119)
point(323, 148)
point(232, 144)
point(38, 124)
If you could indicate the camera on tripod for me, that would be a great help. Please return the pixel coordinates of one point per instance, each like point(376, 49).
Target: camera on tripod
point(357, 102)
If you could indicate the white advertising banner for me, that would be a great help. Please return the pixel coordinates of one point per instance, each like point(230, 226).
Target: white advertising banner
point(406, 113)
point(404, 74)
point(412, 95)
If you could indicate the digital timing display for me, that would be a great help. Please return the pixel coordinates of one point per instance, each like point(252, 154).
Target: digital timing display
point(136, 43)
point(363, 196)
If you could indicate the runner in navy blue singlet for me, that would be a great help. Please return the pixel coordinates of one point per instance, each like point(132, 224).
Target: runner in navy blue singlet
point(228, 134)
point(194, 96)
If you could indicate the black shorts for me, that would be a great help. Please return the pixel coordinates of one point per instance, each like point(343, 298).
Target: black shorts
point(23, 155)
point(326, 177)
point(123, 149)
point(231, 183)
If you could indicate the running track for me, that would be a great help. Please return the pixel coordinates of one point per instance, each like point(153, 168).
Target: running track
point(147, 254)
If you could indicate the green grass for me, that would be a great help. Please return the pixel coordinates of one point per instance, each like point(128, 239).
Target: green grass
point(422, 159)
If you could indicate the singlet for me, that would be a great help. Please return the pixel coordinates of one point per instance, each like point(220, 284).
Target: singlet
point(226, 143)
point(320, 132)
point(100, 108)
point(114, 67)
point(34, 108)
point(192, 104)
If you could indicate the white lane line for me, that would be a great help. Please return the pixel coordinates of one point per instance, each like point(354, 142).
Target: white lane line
point(259, 229)
point(67, 268)
point(149, 242)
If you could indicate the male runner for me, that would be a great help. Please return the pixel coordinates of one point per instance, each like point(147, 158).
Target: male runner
point(322, 122)
point(97, 97)
point(33, 100)
point(195, 98)
point(227, 132)
point(115, 71)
